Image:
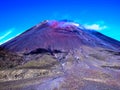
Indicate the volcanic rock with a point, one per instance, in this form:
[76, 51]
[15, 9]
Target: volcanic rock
[60, 55]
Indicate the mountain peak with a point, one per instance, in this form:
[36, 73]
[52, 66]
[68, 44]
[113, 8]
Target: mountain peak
[58, 35]
[63, 24]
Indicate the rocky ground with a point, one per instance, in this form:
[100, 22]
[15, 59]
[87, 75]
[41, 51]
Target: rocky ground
[60, 56]
[96, 70]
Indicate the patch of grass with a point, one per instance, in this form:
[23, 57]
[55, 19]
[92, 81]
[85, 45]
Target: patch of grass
[45, 62]
[9, 60]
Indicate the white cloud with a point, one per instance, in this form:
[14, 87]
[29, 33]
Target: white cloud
[2, 37]
[76, 24]
[6, 34]
[69, 23]
[95, 26]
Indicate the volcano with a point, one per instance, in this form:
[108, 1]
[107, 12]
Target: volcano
[60, 55]
[59, 35]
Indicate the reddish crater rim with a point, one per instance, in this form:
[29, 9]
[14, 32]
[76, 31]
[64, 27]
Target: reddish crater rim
[61, 24]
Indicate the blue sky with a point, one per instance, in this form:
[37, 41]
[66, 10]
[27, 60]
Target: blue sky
[16, 16]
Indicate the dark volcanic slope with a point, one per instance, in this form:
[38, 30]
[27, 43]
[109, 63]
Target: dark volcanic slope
[59, 35]
[60, 55]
